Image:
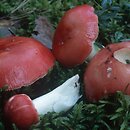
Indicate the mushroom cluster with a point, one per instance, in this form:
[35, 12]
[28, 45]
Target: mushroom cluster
[24, 60]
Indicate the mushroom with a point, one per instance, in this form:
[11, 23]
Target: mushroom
[108, 72]
[20, 110]
[23, 61]
[75, 35]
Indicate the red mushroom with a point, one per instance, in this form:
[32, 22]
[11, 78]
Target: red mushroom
[23, 61]
[74, 36]
[20, 110]
[108, 72]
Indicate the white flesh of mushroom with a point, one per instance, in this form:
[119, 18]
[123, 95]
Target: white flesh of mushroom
[60, 99]
[122, 55]
[94, 51]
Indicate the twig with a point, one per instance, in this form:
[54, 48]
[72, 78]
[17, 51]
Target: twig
[20, 6]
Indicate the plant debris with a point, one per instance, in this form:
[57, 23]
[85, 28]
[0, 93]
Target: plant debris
[43, 31]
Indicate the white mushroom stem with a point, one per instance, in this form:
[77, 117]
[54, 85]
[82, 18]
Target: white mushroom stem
[95, 50]
[60, 99]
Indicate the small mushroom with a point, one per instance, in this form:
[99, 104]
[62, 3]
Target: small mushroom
[20, 110]
[23, 61]
[108, 72]
[74, 36]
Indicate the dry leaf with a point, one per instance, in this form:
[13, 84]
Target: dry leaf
[43, 31]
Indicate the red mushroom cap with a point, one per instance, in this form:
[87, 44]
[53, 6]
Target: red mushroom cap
[23, 61]
[108, 72]
[74, 35]
[20, 110]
